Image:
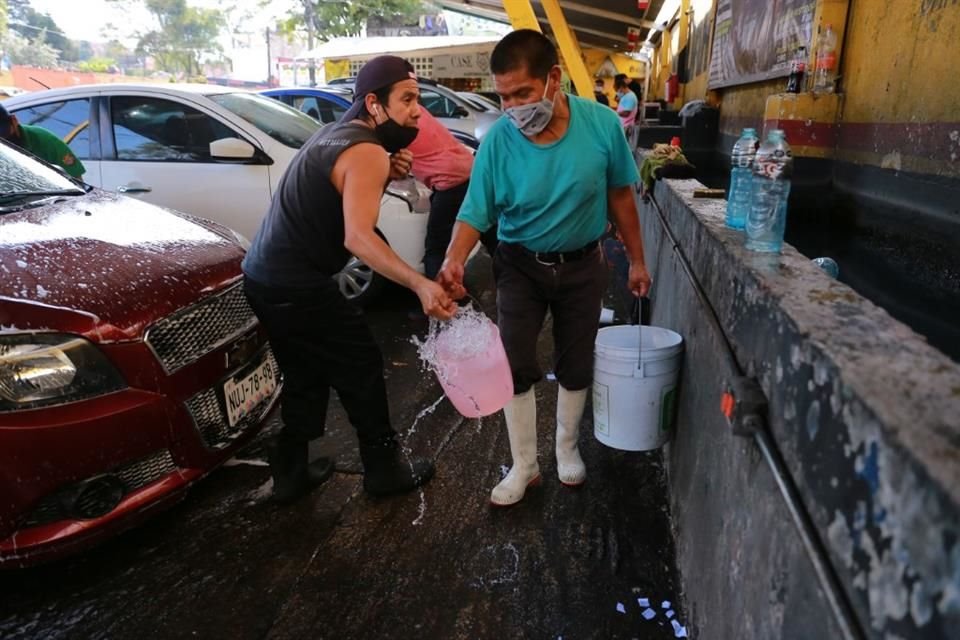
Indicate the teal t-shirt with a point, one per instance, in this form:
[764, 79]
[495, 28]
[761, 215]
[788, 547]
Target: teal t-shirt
[550, 197]
[628, 101]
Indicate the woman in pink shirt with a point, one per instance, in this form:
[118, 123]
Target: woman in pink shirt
[442, 163]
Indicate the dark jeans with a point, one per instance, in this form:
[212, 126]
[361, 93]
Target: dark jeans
[572, 292]
[444, 207]
[321, 340]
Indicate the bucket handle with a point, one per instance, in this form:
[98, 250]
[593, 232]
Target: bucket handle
[640, 333]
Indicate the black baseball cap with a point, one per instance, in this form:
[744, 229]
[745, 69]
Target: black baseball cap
[378, 73]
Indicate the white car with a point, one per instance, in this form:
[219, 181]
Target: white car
[446, 105]
[215, 152]
[480, 102]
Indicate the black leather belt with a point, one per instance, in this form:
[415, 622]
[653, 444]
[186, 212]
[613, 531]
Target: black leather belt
[560, 257]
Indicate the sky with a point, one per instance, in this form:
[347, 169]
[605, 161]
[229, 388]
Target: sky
[84, 19]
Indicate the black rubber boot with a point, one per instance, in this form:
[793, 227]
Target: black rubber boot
[293, 477]
[387, 472]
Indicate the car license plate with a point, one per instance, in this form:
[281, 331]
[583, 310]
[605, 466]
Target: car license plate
[243, 395]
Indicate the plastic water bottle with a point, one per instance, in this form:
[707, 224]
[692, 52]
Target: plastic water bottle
[741, 176]
[767, 218]
[825, 75]
[828, 265]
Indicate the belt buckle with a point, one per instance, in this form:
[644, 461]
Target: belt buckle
[536, 256]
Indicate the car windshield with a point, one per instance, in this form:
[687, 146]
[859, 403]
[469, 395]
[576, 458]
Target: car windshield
[24, 179]
[282, 123]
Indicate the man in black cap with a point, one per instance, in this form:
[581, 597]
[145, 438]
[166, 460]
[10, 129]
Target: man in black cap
[326, 209]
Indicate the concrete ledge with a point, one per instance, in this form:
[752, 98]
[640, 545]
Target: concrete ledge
[865, 413]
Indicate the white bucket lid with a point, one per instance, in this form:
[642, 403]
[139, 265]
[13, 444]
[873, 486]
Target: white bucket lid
[620, 342]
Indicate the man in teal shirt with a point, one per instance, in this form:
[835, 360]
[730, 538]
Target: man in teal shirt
[550, 174]
[40, 142]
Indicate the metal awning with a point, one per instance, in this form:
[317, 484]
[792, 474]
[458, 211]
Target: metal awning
[597, 23]
[372, 46]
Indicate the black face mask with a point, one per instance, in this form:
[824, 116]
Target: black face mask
[394, 136]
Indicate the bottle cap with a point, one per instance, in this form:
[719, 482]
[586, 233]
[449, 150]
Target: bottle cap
[675, 141]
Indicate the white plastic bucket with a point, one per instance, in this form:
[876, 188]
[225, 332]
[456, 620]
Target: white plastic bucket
[634, 399]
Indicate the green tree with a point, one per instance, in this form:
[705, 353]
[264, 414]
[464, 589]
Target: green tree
[184, 35]
[327, 19]
[98, 65]
[31, 53]
[40, 28]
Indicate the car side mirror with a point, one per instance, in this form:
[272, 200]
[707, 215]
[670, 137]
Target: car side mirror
[460, 112]
[232, 149]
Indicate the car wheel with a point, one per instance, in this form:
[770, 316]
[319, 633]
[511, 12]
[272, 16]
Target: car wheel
[358, 282]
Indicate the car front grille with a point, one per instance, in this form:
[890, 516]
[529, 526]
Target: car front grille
[211, 420]
[134, 476]
[185, 336]
[143, 472]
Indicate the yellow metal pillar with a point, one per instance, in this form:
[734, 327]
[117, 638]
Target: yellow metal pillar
[521, 14]
[684, 36]
[569, 48]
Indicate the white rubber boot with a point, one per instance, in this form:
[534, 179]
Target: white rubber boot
[521, 417]
[570, 467]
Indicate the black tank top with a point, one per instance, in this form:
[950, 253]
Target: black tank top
[300, 242]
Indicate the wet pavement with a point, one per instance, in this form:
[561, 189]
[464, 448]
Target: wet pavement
[440, 563]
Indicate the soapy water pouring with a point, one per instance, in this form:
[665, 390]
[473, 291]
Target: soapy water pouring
[460, 351]
[407, 452]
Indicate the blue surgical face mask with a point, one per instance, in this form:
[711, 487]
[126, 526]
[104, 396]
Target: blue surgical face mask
[533, 118]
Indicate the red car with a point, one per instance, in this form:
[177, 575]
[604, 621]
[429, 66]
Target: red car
[130, 362]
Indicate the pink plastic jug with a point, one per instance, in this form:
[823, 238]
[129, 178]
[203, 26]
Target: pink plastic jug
[479, 384]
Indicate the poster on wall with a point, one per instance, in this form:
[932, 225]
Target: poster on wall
[698, 59]
[754, 40]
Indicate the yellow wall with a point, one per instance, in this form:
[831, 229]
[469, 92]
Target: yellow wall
[900, 106]
[744, 106]
[673, 41]
[901, 65]
[902, 102]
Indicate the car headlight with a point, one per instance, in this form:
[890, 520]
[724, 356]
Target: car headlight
[52, 368]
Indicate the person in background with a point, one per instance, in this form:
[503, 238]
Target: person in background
[325, 209]
[550, 173]
[40, 142]
[442, 163]
[632, 84]
[598, 91]
[627, 104]
[637, 89]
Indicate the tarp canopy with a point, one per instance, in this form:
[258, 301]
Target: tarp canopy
[597, 23]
